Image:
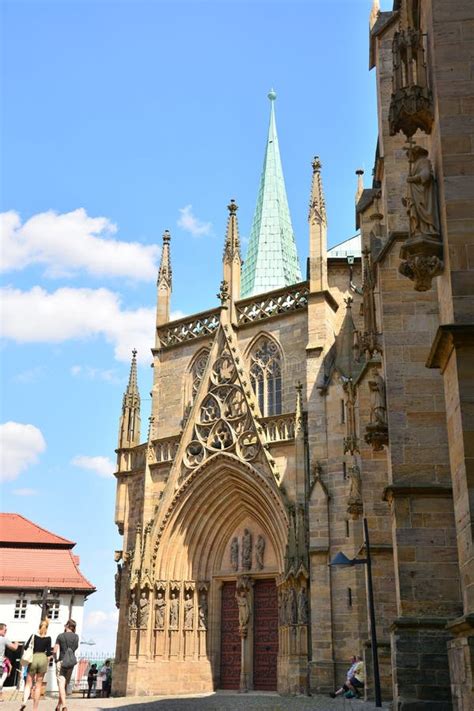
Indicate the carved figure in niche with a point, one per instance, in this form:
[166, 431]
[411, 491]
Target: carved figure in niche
[174, 611]
[259, 552]
[378, 409]
[421, 197]
[234, 553]
[244, 611]
[118, 584]
[246, 550]
[133, 612]
[302, 606]
[144, 609]
[355, 491]
[188, 612]
[160, 606]
[291, 607]
[202, 612]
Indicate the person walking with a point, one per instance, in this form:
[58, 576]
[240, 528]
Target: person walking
[92, 681]
[106, 673]
[4, 642]
[38, 666]
[66, 644]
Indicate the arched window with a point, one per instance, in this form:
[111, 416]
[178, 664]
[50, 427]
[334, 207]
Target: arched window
[265, 374]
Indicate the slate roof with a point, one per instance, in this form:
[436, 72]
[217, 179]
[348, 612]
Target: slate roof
[349, 248]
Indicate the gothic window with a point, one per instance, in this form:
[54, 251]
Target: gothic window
[20, 609]
[197, 372]
[265, 373]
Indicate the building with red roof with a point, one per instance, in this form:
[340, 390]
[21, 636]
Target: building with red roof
[37, 563]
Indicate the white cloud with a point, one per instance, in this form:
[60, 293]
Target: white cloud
[190, 223]
[69, 242]
[89, 373]
[103, 466]
[20, 446]
[176, 315]
[30, 375]
[24, 492]
[38, 316]
[97, 618]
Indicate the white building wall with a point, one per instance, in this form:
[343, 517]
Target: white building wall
[20, 630]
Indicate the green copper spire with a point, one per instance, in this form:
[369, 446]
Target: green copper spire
[272, 261]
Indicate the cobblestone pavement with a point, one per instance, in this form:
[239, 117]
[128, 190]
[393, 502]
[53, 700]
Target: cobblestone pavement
[220, 701]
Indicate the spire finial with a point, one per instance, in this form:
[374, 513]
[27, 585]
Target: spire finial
[164, 272]
[317, 165]
[129, 428]
[272, 95]
[232, 207]
[317, 205]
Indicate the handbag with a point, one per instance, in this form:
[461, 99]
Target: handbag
[27, 656]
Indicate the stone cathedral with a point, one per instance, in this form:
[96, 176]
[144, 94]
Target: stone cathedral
[306, 401]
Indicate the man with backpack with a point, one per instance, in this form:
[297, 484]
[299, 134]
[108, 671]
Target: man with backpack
[66, 644]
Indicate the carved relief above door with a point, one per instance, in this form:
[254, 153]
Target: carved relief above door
[230, 638]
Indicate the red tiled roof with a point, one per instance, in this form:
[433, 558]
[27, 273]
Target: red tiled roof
[18, 529]
[41, 567]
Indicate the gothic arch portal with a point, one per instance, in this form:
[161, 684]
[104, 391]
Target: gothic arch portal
[220, 500]
[207, 508]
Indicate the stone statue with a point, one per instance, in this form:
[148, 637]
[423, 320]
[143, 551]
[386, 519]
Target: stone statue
[118, 584]
[234, 553]
[291, 607]
[133, 613]
[160, 606]
[202, 612]
[174, 611]
[302, 606]
[421, 198]
[144, 609]
[378, 407]
[244, 611]
[247, 550]
[355, 492]
[188, 612]
[259, 552]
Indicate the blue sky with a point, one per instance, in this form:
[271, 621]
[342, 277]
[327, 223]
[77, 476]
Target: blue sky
[120, 120]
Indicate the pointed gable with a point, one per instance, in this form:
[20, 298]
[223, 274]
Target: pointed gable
[224, 414]
[272, 259]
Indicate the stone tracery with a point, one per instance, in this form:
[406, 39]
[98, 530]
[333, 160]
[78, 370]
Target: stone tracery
[224, 422]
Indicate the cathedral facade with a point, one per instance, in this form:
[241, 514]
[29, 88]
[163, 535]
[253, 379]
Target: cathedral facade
[301, 405]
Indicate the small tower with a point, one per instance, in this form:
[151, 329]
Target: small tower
[232, 262]
[360, 184]
[164, 283]
[129, 427]
[317, 232]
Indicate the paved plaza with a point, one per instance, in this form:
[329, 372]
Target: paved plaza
[220, 701]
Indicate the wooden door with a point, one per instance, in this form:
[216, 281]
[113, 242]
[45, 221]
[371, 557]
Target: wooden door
[265, 628]
[230, 638]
